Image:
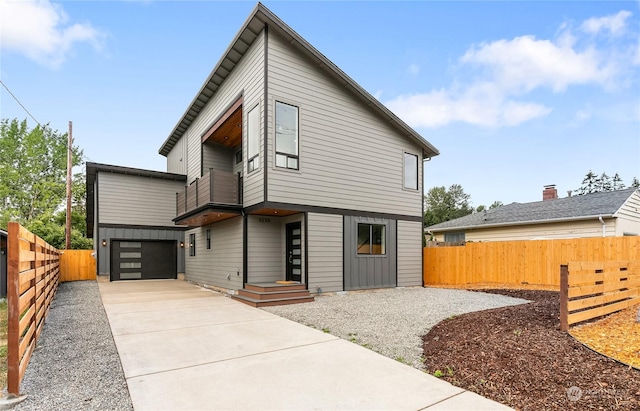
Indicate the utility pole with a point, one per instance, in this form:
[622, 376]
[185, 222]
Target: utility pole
[69, 166]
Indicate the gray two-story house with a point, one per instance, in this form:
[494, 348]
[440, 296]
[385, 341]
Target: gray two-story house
[294, 173]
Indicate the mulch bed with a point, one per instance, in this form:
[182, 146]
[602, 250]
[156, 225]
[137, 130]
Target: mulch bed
[519, 357]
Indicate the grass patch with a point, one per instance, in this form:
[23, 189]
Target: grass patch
[3, 343]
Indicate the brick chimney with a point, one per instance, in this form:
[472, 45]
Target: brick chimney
[549, 192]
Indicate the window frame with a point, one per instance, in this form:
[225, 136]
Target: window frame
[406, 153]
[276, 153]
[383, 241]
[253, 159]
[192, 245]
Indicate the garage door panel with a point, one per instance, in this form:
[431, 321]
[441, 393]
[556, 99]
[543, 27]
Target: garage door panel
[143, 259]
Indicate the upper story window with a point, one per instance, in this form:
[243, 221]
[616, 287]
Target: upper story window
[410, 171]
[253, 139]
[287, 136]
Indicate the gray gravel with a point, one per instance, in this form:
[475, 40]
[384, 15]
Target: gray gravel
[391, 321]
[75, 365]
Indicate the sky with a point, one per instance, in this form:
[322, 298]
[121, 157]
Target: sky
[515, 95]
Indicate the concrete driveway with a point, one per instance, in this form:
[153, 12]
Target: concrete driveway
[183, 347]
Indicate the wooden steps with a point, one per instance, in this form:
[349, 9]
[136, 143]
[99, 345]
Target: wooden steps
[268, 294]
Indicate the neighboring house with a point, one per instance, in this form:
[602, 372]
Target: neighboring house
[3, 264]
[129, 217]
[611, 213]
[294, 172]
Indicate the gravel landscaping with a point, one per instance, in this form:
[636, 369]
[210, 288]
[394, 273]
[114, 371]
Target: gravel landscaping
[75, 365]
[392, 321]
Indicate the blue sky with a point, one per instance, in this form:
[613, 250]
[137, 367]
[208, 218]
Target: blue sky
[515, 95]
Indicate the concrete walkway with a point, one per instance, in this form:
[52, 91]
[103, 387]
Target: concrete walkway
[183, 347]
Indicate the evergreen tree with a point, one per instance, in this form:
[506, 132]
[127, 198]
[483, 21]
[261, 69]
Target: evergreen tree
[617, 182]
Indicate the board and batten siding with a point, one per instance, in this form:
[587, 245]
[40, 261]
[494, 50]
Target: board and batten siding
[246, 79]
[265, 249]
[573, 229]
[628, 221]
[137, 200]
[349, 157]
[211, 267]
[325, 252]
[177, 158]
[409, 253]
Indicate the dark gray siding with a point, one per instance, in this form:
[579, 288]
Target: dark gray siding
[108, 233]
[362, 272]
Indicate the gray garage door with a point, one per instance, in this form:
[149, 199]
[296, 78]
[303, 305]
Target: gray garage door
[143, 260]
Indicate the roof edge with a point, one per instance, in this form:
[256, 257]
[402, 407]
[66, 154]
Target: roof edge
[516, 223]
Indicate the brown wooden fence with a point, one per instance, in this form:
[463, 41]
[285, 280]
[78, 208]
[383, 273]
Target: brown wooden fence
[77, 265]
[32, 279]
[590, 290]
[520, 263]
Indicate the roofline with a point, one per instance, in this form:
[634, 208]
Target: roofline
[4, 233]
[135, 171]
[515, 223]
[637, 190]
[272, 19]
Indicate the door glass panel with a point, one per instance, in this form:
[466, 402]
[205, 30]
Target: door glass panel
[296, 231]
[296, 271]
[130, 265]
[129, 244]
[296, 251]
[296, 241]
[296, 261]
[130, 276]
[130, 255]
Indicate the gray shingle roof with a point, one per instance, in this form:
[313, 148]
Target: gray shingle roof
[603, 204]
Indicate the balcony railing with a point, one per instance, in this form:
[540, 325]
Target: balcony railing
[215, 187]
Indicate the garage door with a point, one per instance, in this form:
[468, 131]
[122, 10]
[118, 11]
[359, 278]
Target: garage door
[143, 260]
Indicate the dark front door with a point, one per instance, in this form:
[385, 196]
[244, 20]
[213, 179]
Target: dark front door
[294, 252]
[139, 260]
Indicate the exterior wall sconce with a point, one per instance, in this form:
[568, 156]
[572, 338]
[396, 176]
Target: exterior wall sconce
[181, 244]
[104, 242]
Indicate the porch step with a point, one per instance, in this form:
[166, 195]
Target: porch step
[277, 301]
[268, 294]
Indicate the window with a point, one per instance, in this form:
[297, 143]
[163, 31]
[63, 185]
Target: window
[371, 239]
[192, 245]
[208, 239]
[286, 136]
[239, 156]
[253, 139]
[410, 171]
[454, 237]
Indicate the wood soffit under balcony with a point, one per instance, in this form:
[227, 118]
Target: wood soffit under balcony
[274, 212]
[227, 130]
[206, 217]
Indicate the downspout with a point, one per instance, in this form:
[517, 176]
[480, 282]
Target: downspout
[604, 226]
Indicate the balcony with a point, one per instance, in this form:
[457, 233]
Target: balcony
[215, 196]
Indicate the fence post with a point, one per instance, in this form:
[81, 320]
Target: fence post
[564, 297]
[13, 308]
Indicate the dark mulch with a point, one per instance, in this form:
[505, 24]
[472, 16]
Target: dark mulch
[519, 357]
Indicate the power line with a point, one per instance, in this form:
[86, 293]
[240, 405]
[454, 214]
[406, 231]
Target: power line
[21, 105]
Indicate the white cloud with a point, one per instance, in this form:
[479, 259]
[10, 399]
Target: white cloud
[481, 105]
[414, 69]
[41, 31]
[505, 70]
[614, 24]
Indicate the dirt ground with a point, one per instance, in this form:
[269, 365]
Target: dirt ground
[518, 356]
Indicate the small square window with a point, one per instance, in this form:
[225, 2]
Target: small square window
[371, 239]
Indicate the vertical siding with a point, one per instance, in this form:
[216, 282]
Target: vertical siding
[177, 158]
[628, 220]
[127, 199]
[212, 266]
[265, 249]
[349, 158]
[325, 252]
[217, 157]
[409, 253]
[247, 79]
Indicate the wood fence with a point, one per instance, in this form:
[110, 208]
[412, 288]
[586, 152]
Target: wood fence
[590, 290]
[32, 279]
[77, 265]
[520, 264]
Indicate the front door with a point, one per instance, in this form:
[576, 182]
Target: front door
[294, 252]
